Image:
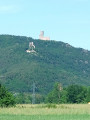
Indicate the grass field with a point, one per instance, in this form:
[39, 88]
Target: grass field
[42, 112]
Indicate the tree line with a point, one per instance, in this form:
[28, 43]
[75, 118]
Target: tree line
[58, 95]
[71, 94]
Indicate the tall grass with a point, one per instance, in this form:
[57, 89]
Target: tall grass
[42, 112]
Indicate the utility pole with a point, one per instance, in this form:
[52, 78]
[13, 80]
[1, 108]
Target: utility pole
[33, 94]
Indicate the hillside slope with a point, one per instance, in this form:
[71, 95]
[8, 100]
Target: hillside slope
[52, 62]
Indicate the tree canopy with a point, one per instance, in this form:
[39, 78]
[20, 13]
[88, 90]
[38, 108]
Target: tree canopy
[70, 94]
[6, 98]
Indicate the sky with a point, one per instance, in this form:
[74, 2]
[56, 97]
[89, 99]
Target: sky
[63, 20]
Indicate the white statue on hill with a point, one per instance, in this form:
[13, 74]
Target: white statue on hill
[31, 47]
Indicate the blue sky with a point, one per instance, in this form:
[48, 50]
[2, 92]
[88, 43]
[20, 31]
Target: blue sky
[62, 20]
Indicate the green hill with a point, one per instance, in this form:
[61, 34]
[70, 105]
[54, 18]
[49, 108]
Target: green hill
[51, 62]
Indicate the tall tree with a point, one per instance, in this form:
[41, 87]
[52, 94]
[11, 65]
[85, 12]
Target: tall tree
[76, 94]
[55, 96]
[6, 98]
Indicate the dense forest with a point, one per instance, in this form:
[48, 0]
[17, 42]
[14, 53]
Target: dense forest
[51, 62]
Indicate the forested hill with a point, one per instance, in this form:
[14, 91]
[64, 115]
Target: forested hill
[51, 62]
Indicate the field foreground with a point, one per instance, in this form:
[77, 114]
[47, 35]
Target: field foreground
[42, 112]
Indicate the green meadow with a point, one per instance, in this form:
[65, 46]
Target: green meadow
[43, 112]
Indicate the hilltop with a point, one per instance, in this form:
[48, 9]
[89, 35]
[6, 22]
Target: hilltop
[51, 62]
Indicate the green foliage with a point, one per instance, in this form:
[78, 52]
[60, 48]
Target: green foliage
[52, 62]
[39, 98]
[71, 94]
[26, 98]
[57, 95]
[88, 95]
[63, 98]
[6, 98]
[76, 94]
[23, 98]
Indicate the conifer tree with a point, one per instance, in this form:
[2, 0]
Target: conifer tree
[6, 98]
